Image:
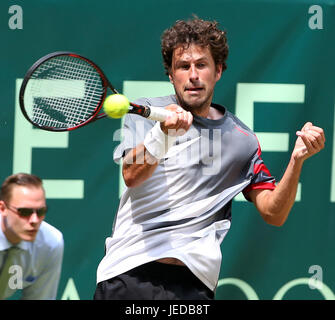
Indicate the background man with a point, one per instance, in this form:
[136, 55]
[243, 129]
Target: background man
[31, 250]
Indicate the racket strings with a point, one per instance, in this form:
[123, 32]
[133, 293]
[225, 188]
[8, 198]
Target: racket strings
[64, 91]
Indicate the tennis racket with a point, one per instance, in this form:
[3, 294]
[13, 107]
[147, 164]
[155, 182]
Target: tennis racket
[64, 91]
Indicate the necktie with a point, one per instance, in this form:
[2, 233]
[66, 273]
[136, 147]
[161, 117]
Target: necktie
[4, 273]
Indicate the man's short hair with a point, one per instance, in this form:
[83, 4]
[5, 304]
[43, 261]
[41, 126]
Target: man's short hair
[19, 179]
[195, 31]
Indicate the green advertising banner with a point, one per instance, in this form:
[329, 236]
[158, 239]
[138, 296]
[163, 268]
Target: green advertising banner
[280, 75]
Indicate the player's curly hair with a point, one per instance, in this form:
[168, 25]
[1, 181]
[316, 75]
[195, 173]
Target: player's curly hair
[195, 31]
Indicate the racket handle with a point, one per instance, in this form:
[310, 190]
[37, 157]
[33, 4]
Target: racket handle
[158, 114]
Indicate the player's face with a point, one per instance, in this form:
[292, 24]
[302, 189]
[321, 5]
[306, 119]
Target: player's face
[15, 227]
[194, 75]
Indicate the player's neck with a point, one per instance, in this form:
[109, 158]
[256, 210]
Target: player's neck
[214, 114]
[209, 113]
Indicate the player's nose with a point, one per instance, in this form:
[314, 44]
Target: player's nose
[194, 75]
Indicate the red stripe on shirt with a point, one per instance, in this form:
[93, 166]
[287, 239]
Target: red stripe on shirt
[260, 185]
[239, 129]
[261, 167]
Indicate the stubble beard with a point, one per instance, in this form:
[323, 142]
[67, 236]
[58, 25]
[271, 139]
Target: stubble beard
[197, 106]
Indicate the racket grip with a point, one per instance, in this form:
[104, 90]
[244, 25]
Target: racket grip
[158, 114]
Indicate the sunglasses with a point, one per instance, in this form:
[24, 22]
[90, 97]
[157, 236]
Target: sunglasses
[27, 212]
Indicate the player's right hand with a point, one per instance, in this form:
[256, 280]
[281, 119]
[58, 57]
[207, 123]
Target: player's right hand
[178, 123]
[311, 140]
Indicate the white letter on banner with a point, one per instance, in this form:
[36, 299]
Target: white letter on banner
[16, 20]
[26, 138]
[325, 290]
[316, 20]
[245, 287]
[70, 292]
[249, 93]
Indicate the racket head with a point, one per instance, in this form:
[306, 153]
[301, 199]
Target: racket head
[63, 91]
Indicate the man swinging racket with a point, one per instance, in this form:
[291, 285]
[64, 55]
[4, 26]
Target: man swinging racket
[182, 174]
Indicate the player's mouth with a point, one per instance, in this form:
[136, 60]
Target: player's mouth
[194, 89]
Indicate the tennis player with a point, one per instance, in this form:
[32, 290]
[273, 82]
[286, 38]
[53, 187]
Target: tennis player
[182, 176]
[34, 247]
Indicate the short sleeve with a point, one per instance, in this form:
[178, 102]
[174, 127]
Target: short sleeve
[261, 177]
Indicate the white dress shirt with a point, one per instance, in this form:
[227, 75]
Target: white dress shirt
[37, 265]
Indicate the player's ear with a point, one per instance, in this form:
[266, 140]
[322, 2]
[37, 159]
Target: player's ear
[218, 68]
[171, 78]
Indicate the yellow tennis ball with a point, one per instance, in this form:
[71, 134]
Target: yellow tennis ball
[116, 105]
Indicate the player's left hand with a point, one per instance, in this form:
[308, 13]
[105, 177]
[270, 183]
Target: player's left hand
[311, 140]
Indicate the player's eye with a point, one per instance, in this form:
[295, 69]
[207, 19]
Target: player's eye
[201, 65]
[184, 66]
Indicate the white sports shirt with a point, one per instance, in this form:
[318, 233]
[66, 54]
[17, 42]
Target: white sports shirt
[184, 209]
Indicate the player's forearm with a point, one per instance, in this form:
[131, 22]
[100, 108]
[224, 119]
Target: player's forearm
[280, 201]
[141, 162]
[138, 166]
